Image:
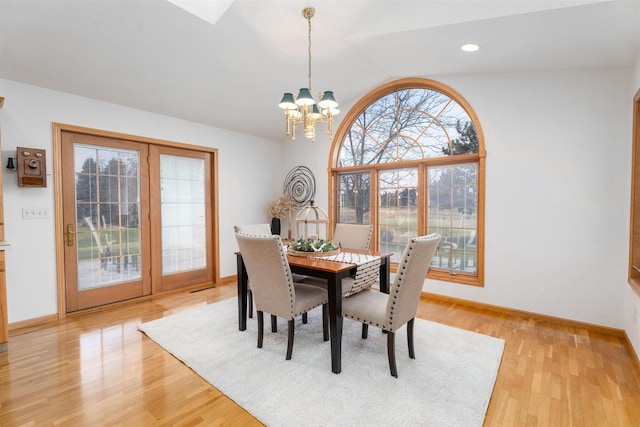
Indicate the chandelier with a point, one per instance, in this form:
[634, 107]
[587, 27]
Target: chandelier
[304, 110]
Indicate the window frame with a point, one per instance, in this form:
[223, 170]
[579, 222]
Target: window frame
[480, 158]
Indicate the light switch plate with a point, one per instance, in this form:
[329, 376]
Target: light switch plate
[35, 213]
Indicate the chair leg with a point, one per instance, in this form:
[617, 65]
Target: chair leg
[304, 318]
[412, 353]
[250, 303]
[260, 328]
[325, 322]
[365, 331]
[391, 351]
[274, 323]
[290, 340]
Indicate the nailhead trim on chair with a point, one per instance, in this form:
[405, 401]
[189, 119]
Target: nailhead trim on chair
[272, 269]
[396, 306]
[306, 310]
[283, 259]
[398, 282]
[395, 289]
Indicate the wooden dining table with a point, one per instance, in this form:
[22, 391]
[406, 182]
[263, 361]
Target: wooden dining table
[333, 272]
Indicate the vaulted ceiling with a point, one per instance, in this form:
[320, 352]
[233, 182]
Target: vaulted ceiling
[231, 71]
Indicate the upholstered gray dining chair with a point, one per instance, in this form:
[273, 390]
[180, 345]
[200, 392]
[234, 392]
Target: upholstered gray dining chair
[259, 229]
[353, 236]
[391, 311]
[263, 230]
[348, 236]
[273, 288]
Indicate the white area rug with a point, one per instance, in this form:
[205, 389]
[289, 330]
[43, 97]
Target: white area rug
[448, 384]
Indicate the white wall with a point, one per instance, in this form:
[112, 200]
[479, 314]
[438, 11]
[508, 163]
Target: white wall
[557, 196]
[247, 183]
[631, 299]
[557, 200]
[314, 155]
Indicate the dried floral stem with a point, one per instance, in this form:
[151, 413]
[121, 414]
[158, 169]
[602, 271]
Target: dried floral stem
[280, 207]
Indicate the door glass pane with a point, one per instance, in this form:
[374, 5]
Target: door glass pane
[398, 210]
[452, 193]
[182, 197]
[107, 205]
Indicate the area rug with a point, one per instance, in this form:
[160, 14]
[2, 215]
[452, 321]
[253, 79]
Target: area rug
[448, 384]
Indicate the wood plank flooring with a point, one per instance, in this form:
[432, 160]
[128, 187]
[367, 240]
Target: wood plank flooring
[97, 369]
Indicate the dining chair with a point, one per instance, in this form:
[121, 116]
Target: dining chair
[348, 236]
[263, 230]
[274, 290]
[390, 312]
[353, 236]
[260, 229]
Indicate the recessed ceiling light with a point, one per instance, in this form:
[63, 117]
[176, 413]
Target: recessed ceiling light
[469, 47]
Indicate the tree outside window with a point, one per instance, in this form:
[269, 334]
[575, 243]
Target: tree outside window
[410, 161]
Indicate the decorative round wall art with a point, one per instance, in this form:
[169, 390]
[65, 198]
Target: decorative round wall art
[300, 186]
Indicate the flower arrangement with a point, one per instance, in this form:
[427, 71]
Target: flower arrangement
[307, 244]
[280, 206]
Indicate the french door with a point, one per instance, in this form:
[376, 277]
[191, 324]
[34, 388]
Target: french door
[180, 217]
[106, 220]
[137, 219]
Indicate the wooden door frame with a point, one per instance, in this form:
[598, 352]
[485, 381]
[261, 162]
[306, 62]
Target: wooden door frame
[633, 275]
[57, 129]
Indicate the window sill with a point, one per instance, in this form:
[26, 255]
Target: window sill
[445, 276]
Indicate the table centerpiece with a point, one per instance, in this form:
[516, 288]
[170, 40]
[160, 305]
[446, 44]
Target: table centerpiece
[312, 247]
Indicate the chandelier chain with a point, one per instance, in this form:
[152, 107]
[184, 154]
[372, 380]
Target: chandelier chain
[309, 52]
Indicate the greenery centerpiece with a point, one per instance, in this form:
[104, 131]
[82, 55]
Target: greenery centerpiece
[309, 246]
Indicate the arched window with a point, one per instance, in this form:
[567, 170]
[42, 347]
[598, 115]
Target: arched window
[409, 159]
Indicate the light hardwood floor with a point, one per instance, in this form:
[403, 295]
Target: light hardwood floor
[96, 369]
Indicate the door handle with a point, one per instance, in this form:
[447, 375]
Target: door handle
[70, 234]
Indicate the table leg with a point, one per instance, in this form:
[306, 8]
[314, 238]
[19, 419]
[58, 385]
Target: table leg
[335, 322]
[385, 274]
[242, 292]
